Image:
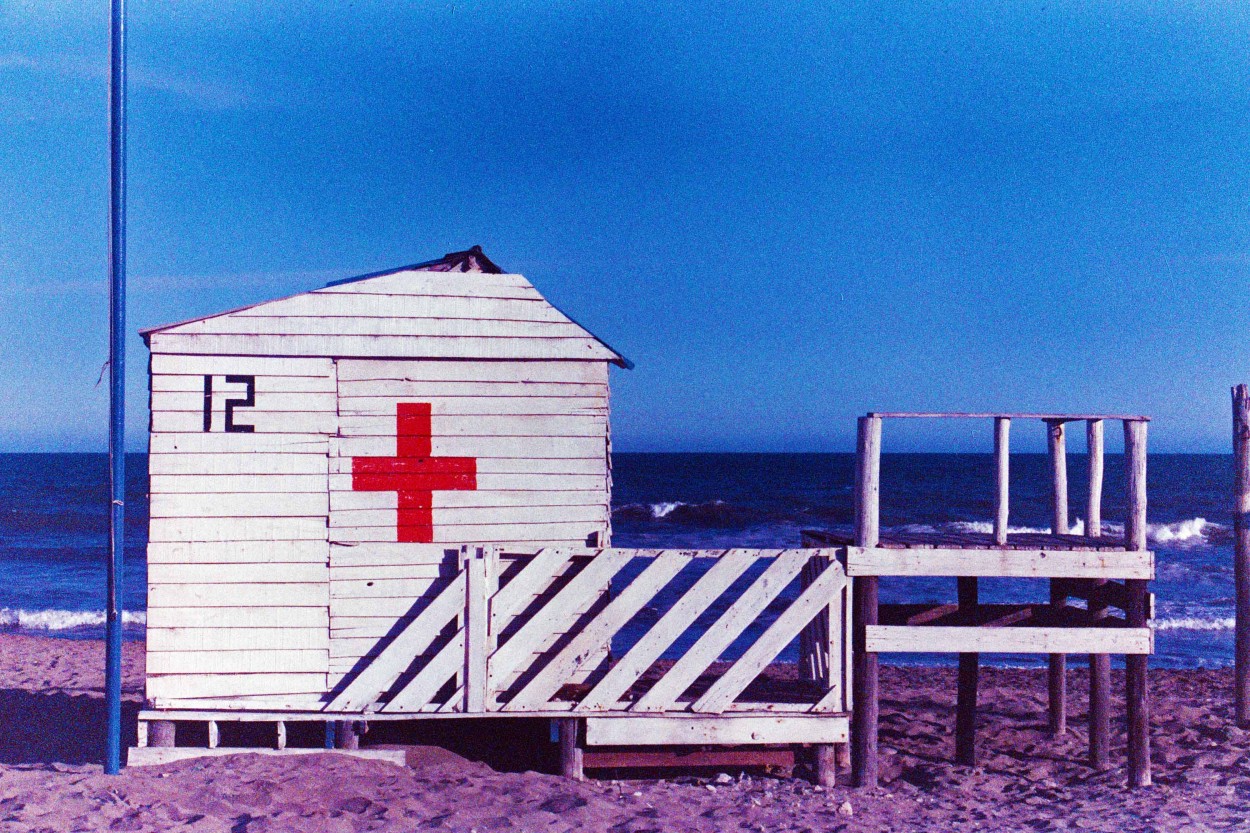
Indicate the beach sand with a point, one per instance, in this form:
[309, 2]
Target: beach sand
[50, 778]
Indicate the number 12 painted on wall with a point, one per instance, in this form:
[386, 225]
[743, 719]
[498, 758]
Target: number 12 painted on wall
[248, 401]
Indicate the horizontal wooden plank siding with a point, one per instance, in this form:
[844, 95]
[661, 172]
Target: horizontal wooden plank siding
[417, 347]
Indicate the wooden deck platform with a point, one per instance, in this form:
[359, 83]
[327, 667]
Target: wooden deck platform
[929, 540]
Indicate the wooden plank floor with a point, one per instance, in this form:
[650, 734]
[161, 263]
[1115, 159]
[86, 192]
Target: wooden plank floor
[970, 541]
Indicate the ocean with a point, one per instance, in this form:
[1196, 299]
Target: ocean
[53, 527]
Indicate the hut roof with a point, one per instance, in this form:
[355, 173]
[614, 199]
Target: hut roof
[461, 306]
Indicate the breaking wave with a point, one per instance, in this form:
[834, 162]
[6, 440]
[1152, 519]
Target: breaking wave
[62, 620]
[716, 512]
[1194, 623]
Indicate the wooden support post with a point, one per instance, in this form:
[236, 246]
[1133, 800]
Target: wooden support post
[214, 735]
[162, 733]
[1057, 677]
[141, 733]
[825, 767]
[865, 670]
[1002, 465]
[1093, 511]
[570, 752]
[865, 709]
[1057, 671]
[969, 670]
[1099, 664]
[1099, 710]
[842, 755]
[1135, 691]
[281, 734]
[1241, 553]
[345, 736]
[1059, 473]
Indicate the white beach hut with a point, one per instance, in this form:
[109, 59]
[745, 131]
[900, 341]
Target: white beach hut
[317, 460]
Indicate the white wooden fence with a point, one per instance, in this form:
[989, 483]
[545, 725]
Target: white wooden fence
[681, 632]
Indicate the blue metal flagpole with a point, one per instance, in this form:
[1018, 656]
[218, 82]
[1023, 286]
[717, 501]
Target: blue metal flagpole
[117, 385]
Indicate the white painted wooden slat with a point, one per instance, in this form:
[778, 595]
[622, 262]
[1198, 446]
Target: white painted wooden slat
[250, 463]
[347, 500]
[383, 555]
[311, 325]
[554, 617]
[200, 442]
[426, 347]
[426, 683]
[726, 731]
[236, 529]
[471, 407]
[173, 687]
[194, 383]
[675, 621]
[382, 673]
[357, 305]
[192, 401]
[263, 422]
[415, 282]
[1006, 563]
[597, 635]
[198, 484]
[380, 573]
[373, 588]
[264, 504]
[477, 645]
[479, 447]
[389, 608]
[554, 533]
[237, 573]
[779, 634]
[511, 425]
[236, 639]
[492, 483]
[243, 364]
[241, 553]
[395, 388]
[722, 633]
[347, 650]
[254, 661]
[354, 370]
[1009, 640]
[239, 595]
[473, 515]
[238, 617]
[563, 466]
[360, 628]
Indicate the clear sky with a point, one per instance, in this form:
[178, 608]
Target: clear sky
[786, 214]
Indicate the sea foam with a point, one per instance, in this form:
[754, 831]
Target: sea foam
[62, 620]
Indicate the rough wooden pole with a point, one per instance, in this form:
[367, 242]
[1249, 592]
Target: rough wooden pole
[161, 733]
[1099, 664]
[1057, 684]
[570, 752]
[1093, 511]
[345, 735]
[826, 765]
[865, 670]
[1002, 466]
[969, 670]
[1241, 552]
[1135, 691]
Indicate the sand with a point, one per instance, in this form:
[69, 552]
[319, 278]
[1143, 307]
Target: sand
[50, 779]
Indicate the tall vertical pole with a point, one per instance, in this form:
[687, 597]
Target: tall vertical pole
[117, 385]
[1136, 693]
[1241, 552]
[1057, 678]
[866, 706]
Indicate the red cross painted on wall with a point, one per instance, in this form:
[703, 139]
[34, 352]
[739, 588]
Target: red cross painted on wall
[414, 473]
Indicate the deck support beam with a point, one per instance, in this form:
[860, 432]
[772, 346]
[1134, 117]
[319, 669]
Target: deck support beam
[1135, 691]
[571, 760]
[865, 672]
[969, 671]
[1057, 665]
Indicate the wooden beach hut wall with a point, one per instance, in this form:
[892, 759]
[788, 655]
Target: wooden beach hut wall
[317, 460]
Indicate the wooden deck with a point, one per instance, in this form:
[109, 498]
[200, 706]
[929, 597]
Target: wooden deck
[930, 540]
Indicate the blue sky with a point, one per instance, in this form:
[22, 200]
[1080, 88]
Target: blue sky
[786, 214]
